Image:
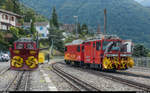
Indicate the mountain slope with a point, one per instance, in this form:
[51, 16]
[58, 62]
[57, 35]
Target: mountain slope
[126, 18]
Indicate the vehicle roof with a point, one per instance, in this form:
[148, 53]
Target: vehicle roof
[95, 38]
[25, 40]
[75, 42]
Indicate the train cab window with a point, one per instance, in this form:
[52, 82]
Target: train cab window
[30, 46]
[65, 48]
[98, 45]
[88, 43]
[19, 46]
[78, 48]
[93, 44]
[105, 43]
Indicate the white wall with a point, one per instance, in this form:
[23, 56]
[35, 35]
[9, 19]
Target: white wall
[43, 30]
[13, 23]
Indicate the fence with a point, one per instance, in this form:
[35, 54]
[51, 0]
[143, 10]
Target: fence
[142, 62]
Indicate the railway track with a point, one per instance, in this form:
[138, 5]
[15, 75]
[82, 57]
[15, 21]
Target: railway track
[24, 82]
[134, 84]
[4, 70]
[18, 83]
[128, 73]
[75, 82]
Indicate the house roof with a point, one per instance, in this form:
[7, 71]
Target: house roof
[10, 13]
[37, 24]
[42, 23]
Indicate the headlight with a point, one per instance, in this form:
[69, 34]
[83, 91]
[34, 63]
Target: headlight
[16, 51]
[32, 52]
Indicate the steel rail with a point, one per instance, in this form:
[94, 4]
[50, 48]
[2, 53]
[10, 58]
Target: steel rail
[27, 81]
[134, 84]
[134, 74]
[5, 70]
[10, 83]
[76, 82]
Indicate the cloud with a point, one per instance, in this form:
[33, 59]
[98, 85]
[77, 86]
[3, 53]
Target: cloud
[139, 1]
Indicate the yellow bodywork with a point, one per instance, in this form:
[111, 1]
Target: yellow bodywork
[113, 63]
[41, 58]
[31, 62]
[17, 62]
[70, 56]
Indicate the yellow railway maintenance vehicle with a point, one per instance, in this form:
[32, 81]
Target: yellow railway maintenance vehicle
[41, 58]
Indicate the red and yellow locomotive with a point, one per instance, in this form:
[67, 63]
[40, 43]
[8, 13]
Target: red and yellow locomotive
[24, 55]
[105, 53]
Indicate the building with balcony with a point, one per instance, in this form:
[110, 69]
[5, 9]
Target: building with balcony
[8, 19]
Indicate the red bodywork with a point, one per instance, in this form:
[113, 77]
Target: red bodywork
[91, 52]
[24, 53]
[74, 53]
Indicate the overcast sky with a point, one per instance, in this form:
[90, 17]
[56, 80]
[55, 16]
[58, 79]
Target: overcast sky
[139, 0]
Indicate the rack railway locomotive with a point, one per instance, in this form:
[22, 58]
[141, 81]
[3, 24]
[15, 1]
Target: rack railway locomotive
[24, 55]
[106, 52]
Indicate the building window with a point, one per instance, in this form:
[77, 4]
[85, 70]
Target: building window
[6, 17]
[3, 16]
[12, 18]
[4, 27]
[41, 28]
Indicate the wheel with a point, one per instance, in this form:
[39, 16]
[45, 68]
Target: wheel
[68, 62]
[100, 67]
[81, 64]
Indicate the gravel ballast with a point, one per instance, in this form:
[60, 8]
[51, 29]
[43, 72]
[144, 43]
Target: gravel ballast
[60, 83]
[100, 82]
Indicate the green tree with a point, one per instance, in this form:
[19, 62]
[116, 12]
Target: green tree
[33, 30]
[3, 43]
[84, 29]
[57, 37]
[29, 14]
[140, 51]
[55, 34]
[16, 6]
[14, 31]
[9, 5]
[79, 28]
[54, 19]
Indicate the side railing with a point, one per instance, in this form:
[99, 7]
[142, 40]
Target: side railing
[142, 62]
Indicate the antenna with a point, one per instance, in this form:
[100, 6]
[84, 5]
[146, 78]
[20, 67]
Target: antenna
[105, 20]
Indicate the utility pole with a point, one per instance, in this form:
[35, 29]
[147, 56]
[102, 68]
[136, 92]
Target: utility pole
[76, 22]
[105, 20]
[51, 48]
[52, 44]
[37, 40]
